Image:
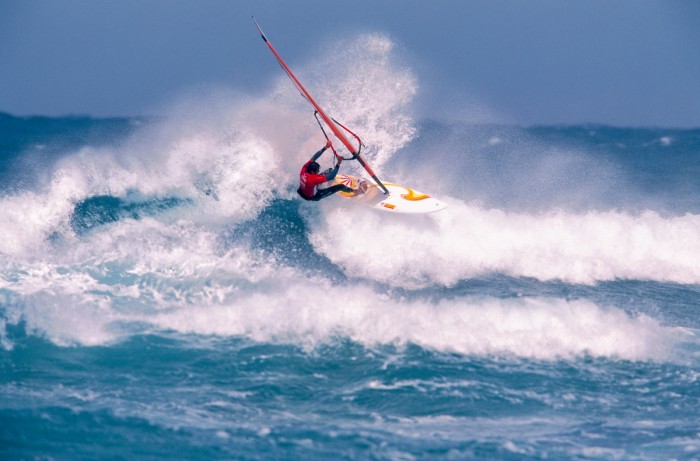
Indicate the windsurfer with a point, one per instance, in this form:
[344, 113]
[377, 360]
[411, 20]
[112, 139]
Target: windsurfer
[310, 179]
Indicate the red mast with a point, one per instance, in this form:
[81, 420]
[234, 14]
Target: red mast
[327, 120]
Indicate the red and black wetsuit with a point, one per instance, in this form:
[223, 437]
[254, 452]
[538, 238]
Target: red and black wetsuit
[309, 182]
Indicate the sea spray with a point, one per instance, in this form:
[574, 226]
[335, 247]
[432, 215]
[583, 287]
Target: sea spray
[466, 241]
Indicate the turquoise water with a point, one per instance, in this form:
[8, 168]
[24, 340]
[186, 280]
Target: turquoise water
[156, 396]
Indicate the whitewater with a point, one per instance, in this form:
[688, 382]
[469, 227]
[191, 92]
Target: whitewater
[165, 294]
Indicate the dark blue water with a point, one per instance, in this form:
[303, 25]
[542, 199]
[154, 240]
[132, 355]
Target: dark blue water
[163, 297]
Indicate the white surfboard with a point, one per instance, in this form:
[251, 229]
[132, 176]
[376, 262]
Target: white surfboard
[400, 199]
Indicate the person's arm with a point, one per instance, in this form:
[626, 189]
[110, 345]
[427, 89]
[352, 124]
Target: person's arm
[319, 153]
[330, 173]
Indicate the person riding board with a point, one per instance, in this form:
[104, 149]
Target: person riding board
[310, 179]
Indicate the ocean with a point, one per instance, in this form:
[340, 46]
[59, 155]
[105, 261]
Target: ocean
[164, 294]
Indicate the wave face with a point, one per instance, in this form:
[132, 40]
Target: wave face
[160, 282]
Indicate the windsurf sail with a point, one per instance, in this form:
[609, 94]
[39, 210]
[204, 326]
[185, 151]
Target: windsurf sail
[331, 123]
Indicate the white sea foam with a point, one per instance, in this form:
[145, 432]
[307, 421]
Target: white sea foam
[221, 176]
[466, 241]
[148, 275]
[223, 295]
[534, 328]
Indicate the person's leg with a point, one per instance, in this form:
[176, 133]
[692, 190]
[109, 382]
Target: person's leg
[323, 193]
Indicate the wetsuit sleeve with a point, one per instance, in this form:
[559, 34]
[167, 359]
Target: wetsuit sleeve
[317, 155]
[331, 174]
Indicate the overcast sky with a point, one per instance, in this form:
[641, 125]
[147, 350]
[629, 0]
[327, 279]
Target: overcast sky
[621, 62]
